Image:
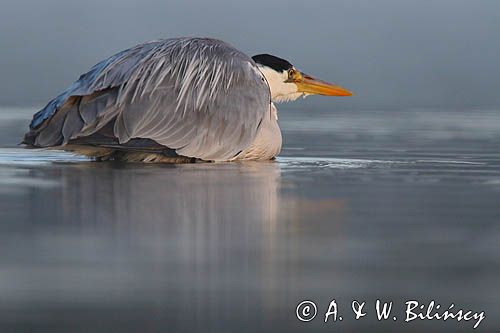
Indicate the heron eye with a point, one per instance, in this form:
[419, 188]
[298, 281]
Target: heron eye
[291, 73]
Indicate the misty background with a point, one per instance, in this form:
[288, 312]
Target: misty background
[391, 194]
[391, 53]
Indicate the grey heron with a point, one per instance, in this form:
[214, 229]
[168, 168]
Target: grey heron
[175, 100]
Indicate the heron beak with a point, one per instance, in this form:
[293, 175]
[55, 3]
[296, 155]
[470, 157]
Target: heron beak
[309, 85]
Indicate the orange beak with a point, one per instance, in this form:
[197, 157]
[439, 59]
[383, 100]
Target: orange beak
[309, 85]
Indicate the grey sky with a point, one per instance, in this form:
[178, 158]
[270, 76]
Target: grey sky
[391, 53]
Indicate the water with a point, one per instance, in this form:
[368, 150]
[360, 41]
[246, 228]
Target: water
[361, 205]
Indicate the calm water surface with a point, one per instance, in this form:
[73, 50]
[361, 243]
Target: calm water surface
[365, 205]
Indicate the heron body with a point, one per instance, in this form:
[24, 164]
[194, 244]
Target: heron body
[175, 100]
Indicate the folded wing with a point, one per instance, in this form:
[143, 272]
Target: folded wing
[198, 96]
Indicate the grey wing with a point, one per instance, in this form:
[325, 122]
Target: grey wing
[199, 96]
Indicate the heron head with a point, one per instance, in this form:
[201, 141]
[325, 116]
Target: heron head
[288, 83]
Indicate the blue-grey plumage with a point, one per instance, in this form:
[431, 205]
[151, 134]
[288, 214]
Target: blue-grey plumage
[178, 99]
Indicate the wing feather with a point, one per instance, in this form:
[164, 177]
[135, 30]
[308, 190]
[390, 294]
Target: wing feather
[199, 96]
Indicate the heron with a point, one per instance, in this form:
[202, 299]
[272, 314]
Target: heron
[175, 100]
